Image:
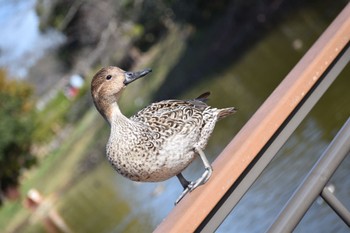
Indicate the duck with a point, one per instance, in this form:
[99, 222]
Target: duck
[161, 140]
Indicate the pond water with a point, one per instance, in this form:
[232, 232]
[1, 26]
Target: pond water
[103, 201]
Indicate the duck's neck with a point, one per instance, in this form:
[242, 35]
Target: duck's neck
[116, 117]
[120, 125]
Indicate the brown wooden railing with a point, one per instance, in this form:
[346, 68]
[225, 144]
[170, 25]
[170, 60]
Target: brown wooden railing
[249, 152]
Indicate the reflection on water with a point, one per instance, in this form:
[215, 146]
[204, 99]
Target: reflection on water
[22, 44]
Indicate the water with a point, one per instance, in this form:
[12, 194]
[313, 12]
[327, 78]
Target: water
[103, 201]
[22, 44]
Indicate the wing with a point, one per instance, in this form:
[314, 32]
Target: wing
[173, 116]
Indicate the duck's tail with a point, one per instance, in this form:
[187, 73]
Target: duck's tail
[224, 112]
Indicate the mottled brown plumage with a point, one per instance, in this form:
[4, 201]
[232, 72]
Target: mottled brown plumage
[159, 141]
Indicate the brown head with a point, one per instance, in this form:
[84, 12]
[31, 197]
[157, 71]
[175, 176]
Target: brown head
[107, 85]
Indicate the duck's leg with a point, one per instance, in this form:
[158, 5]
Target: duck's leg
[188, 187]
[206, 175]
[182, 180]
[185, 184]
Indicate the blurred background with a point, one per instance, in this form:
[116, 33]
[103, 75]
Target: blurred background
[54, 176]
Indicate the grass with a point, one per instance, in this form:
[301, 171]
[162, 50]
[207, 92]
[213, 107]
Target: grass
[51, 117]
[54, 171]
[66, 156]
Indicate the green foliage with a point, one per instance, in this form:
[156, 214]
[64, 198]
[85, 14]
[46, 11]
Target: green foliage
[51, 118]
[16, 128]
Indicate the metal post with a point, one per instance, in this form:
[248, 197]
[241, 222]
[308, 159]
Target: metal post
[315, 181]
[336, 205]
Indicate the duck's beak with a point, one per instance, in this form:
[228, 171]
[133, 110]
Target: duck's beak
[132, 76]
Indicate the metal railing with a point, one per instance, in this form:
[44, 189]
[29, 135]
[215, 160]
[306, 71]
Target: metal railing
[251, 150]
[314, 185]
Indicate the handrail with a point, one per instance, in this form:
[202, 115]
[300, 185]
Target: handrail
[193, 211]
[314, 183]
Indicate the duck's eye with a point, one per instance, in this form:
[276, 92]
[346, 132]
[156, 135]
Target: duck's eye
[108, 77]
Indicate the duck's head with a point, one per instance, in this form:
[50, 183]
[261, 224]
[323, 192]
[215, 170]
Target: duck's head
[107, 85]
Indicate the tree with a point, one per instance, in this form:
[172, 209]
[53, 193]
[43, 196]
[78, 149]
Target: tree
[17, 113]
